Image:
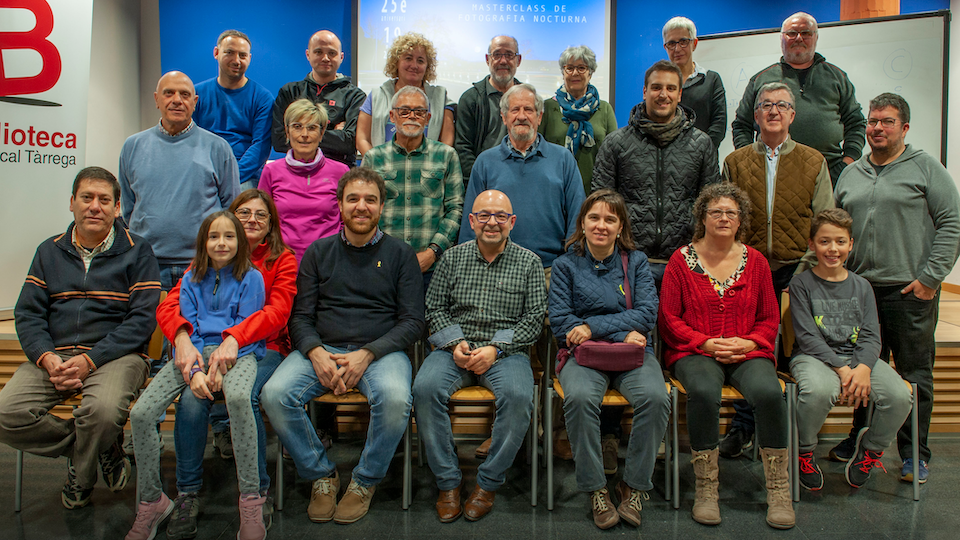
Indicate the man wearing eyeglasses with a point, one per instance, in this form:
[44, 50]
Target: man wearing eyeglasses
[424, 187]
[323, 85]
[829, 118]
[788, 183]
[479, 126]
[236, 108]
[906, 222]
[485, 307]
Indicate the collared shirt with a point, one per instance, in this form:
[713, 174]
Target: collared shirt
[500, 303]
[773, 158]
[424, 200]
[531, 150]
[377, 236]
[698, 73]
[87, 255]
[184, 131]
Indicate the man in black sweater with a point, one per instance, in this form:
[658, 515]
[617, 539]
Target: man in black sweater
[84, 317]
[359, 305]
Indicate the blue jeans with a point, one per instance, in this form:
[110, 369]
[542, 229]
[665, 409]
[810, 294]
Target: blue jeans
[511, 381]
[385, 384]
[643, 387]
[170, 274]
[190, 430]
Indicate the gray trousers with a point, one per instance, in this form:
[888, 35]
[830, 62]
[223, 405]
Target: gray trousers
[818, 387]
[163, 389]
[25, 422]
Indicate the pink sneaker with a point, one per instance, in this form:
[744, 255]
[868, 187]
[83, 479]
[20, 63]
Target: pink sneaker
[251, 518]
[149, 517]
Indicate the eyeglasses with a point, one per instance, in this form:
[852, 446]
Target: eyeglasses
[244, 214]
[793, 34]
[297, 127]
[682, 43]
[500, 217]
[782, 106]
[570, 70]
[508, 56]
[405, 112]
[885, 122]
[716, 213]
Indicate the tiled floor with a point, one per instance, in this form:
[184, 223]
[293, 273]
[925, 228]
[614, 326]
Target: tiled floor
[883, 509]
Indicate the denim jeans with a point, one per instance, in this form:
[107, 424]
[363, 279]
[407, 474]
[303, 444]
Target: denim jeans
[510, 379]
[818, 387]
[643, 387]
[704, 377]
[170, 274]
[190, 431]
[907, 326]
[385, 384]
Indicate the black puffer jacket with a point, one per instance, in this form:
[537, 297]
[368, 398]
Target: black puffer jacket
[659, 184]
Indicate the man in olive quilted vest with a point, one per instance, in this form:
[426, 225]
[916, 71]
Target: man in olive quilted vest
[787, 183]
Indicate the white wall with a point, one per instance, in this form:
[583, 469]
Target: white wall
[953, 113]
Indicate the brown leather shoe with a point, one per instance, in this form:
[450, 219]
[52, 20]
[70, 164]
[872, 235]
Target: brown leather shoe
[484, 449]
[448, 505]
[479, 503]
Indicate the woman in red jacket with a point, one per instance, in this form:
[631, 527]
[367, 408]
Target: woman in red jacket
[276, 262]
[718, 320]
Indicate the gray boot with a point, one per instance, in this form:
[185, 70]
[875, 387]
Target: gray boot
[780, 513]
[706, 508]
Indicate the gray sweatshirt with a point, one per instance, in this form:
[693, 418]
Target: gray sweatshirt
[906, 220]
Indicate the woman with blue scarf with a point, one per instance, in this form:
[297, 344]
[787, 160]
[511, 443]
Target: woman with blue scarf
[578, 119]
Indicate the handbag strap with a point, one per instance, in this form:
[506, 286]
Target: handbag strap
[626, 282]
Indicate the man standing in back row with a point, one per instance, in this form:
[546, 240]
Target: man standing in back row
[829, 119]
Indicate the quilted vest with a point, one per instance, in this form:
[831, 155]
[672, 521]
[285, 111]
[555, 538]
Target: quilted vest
[784, 236]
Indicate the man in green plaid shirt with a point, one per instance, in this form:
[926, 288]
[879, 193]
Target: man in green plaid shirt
[485, 307]
[424, 186]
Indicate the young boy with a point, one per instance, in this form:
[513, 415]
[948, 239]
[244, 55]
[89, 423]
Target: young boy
[837, 351]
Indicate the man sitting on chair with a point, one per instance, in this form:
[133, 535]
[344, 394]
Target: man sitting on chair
[84, 318]
[359, 305]
[485, 306]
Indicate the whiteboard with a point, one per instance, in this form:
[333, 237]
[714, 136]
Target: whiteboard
[903, 55]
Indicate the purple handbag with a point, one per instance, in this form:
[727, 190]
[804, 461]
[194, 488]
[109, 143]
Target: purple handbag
[605, 355]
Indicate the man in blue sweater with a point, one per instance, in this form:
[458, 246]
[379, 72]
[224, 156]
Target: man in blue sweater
[172, 175]
[84, 316]
[236, 108]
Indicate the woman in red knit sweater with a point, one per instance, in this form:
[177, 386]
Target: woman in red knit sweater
[276, 262]
[718, 320]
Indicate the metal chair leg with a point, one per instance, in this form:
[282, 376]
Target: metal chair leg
[792, 398]
[534, 466]
[19, 482]
[407, 466]
[675, 405]
[548, 438]
[279, 489]
[915, 420]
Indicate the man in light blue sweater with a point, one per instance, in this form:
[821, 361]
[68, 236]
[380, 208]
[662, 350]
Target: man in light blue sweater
[172, 175]
[540, 178]
[236, 108]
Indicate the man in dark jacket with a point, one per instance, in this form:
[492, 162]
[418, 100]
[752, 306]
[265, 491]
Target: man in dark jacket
[479, 126]
[85, 314]
[659, 162]
[323, 85]
[829, 118]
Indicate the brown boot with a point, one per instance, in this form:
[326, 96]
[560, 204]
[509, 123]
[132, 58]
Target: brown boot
[706, 507]
[780, 513]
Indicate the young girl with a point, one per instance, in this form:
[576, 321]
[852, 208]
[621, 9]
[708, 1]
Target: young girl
[221, 289]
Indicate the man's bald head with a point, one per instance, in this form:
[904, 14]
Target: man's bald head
[492, 220]
[491, 199]
[325, 53]
[798, 40]
[176, 99]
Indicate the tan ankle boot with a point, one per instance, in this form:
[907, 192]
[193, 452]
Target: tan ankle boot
[780, 513]
[706, 509]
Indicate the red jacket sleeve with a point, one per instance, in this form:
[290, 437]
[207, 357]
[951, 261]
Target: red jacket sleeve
[674, 330]
[263, 324]
[168, 314]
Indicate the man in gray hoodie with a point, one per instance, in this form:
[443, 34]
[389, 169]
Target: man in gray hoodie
[906, 222]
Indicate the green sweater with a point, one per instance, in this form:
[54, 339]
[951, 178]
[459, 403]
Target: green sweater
[555, 131]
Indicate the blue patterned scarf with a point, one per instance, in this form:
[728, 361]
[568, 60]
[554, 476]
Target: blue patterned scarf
[577, 114]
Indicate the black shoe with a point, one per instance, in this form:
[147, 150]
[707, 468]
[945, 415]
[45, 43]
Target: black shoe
[74, 496]
[811, 477]
[183, 521]
[115, 466]
[735, 442]
[845, 450]
[858, 469]
[223, 444]
[268, 513]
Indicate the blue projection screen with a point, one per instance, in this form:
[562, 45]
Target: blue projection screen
[461, 31]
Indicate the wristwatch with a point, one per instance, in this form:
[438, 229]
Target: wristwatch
[437, 251]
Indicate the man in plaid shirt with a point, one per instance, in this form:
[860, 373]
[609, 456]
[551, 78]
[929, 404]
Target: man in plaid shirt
[424, 185]
[485, 307]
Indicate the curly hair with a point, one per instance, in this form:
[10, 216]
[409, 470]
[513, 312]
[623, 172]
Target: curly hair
[404, 43]
[712, 193]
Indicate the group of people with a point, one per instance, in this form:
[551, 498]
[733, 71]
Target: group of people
[465, 226]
